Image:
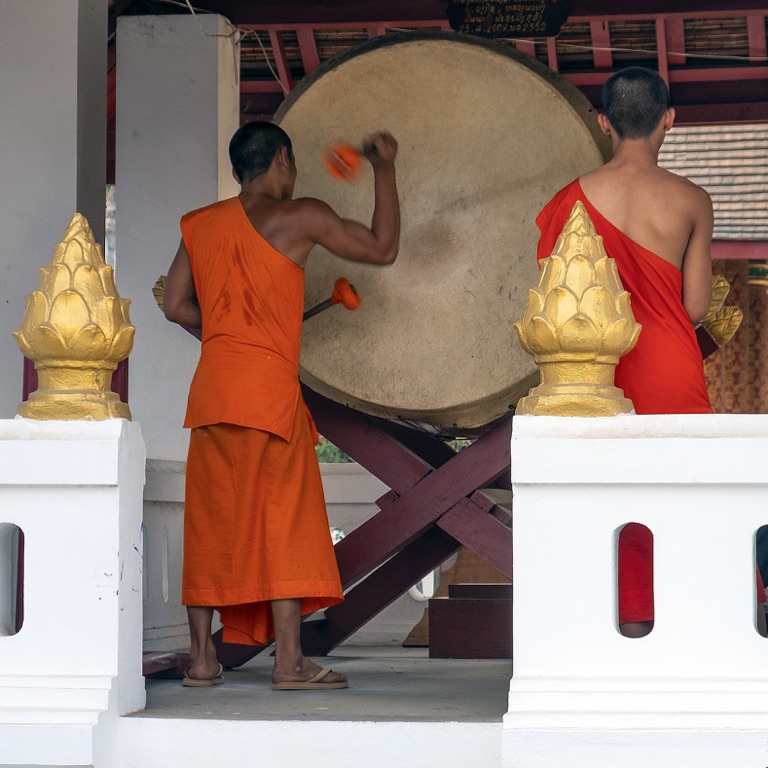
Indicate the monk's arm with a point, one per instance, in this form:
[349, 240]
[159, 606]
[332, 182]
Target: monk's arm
[351, 240]
[697, 262]
[180, 303]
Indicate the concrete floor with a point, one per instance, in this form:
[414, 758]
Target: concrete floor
[387, 683]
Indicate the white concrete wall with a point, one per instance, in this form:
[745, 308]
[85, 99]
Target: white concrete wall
[75, 490]
[53, 151]
[177, 108]
[695, 691]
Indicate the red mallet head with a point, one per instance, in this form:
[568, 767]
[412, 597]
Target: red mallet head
[344, 293]
[343, 161]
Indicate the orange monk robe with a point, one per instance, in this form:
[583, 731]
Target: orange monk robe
[255, 523]
[664, 373]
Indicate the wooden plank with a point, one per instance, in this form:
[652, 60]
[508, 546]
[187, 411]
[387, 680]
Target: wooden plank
[374, 594]
[360, 438]
[480, 532]
[480, 591]
[470, 629]
[409, 515]
[166, 664]
[432, 450]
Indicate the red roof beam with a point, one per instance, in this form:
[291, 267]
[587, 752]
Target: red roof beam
[661, 49]
[260, 86]
[384, 24]
[758, 51]
[740, 249]
[552, 54]
[308, 49]
[281, 60]
[718, 74]
[601, 44]
[713, 75]
[526, 46]
[675, 32]
[685, 14]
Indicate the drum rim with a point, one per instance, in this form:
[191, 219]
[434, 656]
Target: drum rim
[575, 98]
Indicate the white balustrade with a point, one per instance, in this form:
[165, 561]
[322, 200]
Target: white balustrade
[695, 691]
[75, 490]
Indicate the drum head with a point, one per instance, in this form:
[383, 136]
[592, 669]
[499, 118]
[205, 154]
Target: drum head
[486, 136]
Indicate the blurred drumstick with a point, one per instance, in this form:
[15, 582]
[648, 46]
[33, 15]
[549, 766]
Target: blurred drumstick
[343, 293]
[343, 161]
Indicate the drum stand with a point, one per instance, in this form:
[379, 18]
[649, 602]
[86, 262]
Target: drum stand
[435, 505]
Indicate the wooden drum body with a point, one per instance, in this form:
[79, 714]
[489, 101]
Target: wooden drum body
[487, 135]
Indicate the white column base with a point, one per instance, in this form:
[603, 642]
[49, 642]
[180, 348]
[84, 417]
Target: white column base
[613, 703]
[635, 748]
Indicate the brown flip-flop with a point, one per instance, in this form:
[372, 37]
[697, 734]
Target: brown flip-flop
[204, 682]
[314, 684]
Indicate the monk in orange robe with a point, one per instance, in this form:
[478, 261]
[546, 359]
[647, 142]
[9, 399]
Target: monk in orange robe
[257, 545]
[658, 228]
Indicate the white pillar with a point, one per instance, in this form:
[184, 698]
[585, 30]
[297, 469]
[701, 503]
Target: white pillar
[75, 491]
[695, 691]
[53, 150]
[177, 108]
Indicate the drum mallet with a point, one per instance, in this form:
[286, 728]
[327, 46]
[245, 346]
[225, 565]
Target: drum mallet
[343, 293]
[343, 161]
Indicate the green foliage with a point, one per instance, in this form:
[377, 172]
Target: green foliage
[459, 443]
[328, 453]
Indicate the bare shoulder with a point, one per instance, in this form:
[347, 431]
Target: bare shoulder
[311, 213]
[311, 205]
[697, 195]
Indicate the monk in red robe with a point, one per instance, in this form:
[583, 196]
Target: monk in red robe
[658, 228]
[257, 545]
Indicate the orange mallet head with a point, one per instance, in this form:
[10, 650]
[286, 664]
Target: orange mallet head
[344, 293]
[343, 161]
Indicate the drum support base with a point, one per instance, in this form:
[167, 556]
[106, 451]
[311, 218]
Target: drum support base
[435, 505]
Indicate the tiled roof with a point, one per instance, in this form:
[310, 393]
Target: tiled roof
[731, 163]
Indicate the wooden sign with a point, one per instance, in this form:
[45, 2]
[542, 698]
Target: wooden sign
[508, 18]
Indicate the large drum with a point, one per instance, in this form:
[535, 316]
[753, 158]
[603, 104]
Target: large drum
[487, 135]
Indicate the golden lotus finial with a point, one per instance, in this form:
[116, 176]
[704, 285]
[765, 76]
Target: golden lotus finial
[577, 325]
[76, 330]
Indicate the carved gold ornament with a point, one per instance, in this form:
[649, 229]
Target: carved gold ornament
[721, 322]
[76, 330]
[578, 324]
[158, 290]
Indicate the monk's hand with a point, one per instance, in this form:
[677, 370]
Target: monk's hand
[380, 148]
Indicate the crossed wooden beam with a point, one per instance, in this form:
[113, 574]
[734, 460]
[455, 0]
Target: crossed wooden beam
[435, 505]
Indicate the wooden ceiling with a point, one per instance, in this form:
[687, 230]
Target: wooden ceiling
[714, 54]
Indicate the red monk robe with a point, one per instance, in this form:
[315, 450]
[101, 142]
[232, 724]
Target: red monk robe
[255, 523]
[664, 373]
